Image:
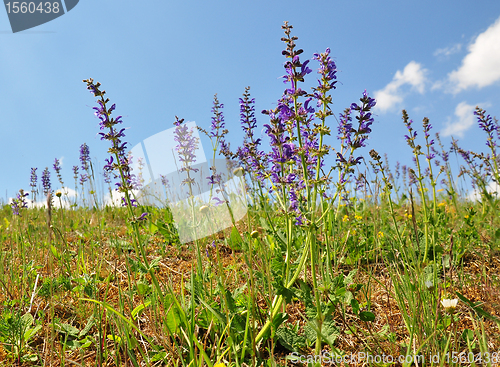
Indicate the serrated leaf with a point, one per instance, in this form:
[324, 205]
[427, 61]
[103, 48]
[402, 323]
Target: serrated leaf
[350, 277]
[290, 339]
[348, 297]
[310, 331]
[329, 332]
[154, 263]
[287, 293]
[306, 297]
[68, 329]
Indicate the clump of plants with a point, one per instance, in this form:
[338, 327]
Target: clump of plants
[340, 257]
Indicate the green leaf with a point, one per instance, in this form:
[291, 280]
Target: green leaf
[115, 338]
[236, 239]
[54, 251]
[154, 264]
[173, 319]
[497, 234]
[231, 304]
[31, 332]
[366, 316]
[153, 228]
[467, 334]
[138, 310]
[476, 307]
[143, 288]
[355, 306]
[26, 320]
[329, 332]
[306, 297]
[290, 339]
[279, 319]
[68, 329]
[88, 326]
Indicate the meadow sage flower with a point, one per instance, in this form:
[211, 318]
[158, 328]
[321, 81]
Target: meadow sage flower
[19, 202]
[46, 181]
[186, 147]
[118, 147]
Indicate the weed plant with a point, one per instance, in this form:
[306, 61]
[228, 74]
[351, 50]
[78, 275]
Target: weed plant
[356, 262]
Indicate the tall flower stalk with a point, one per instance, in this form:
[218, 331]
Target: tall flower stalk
[33, 184]
[186, 147]
[296, 161]
[118, 163]
[417, 151]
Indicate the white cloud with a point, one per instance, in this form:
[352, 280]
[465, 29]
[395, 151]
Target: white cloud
[392, 95]
[464, 120]
[447, 51]
[481, 66]
[65, 201]
[492, 188]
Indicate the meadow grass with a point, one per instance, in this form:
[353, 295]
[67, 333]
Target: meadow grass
[361, 263]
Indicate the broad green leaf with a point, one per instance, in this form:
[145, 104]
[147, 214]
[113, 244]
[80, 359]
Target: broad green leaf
[366, 316]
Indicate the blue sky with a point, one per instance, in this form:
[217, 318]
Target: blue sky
[159, 59]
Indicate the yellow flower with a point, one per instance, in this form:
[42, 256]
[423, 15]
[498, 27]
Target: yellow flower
[345, 219]
[466, 216]
[358, 217]
[441, 204]
[353, 232]
[380, 234]
[219, 365]
[439, 190]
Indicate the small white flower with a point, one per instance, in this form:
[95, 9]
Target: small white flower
[429, 285]
[449, 304]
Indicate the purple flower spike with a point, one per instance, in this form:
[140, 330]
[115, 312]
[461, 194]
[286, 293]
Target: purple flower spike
[46, 181]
